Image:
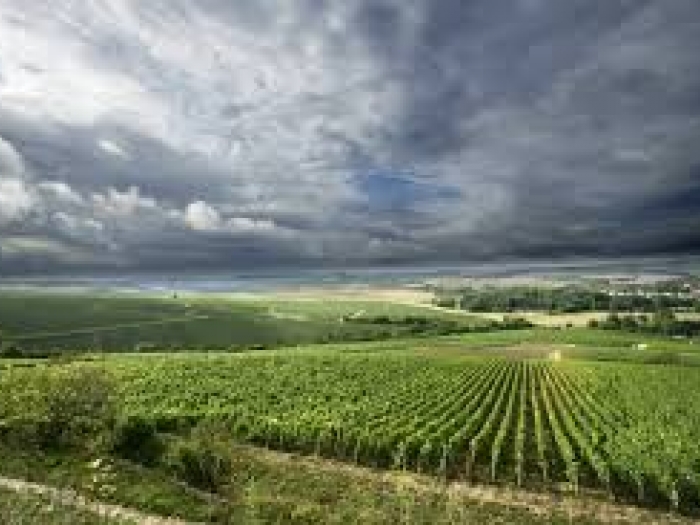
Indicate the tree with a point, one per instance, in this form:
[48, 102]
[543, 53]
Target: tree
[9, 349]
[664, 320]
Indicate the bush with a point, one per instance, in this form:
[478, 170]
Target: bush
[204, 459]
[9, 349]
[447, 302]
[82, 409]
[514, 323]
[66, 408]
[137, 440]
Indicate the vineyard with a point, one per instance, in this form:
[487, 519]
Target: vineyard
[631, 431]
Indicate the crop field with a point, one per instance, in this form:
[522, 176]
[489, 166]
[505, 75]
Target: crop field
[46, 322]
[625, 429]
[123, 322]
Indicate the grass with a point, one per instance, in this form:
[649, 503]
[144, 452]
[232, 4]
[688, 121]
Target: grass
[121, 483]
[335, 309]
[264, 489]
[267, 487]
[578, 336]
[290, 489]
[31, 509]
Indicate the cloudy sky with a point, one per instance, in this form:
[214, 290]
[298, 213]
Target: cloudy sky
[168, 134]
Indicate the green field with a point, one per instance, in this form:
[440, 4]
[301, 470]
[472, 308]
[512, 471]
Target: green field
[124, 322]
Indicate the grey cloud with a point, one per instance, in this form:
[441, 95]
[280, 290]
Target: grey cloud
[218, 134]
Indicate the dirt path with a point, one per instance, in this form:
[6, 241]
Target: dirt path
[71, 498]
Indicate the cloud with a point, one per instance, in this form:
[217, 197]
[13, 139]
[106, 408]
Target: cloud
[202, 217]
[60, 191]
[112, 148]
[122, 203]
[211, 134]
[10, 161]
[16, 201]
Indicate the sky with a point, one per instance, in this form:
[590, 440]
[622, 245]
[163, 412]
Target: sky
[182, 134]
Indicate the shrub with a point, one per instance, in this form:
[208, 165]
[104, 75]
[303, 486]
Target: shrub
[66, 408]
[204, 459]
[513, 323]
[9, 349]
[137, 440]
[82, 408]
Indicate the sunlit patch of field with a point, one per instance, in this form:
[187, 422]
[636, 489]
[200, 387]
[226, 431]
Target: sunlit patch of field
[578, 319]
[366, 293]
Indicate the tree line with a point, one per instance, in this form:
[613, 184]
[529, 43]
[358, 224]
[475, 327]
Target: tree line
[662, 322]
[561, 300]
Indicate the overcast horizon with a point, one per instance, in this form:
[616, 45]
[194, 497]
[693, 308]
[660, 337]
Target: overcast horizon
[177, 135]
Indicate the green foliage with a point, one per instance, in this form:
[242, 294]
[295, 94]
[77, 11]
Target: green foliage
[566, 299]
[74, 407]
[427, 414]
[655, 446]
[10, 350]
[81, 408]
[204, 459]
[430, 326]
[447, 302]
[27, 508]
[137, 439]
[663, 322]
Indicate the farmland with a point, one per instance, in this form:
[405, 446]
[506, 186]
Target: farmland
[56, 322]
[525, 421]
[484, 419]
[600, 414]
[122, 322]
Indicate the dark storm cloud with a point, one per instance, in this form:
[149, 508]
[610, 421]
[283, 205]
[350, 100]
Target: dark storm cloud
[74, 155]
[217, 134]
